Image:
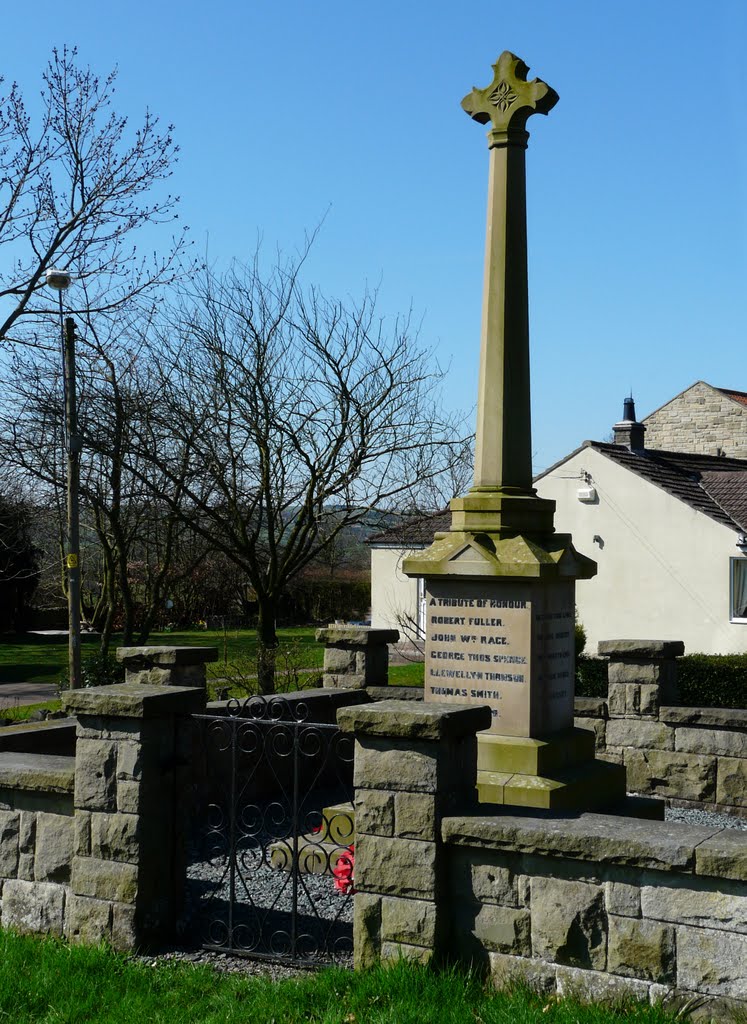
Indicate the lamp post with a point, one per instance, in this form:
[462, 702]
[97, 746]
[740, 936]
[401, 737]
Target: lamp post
[60, 281]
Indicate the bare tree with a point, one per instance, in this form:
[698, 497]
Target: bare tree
[75, 183]
[19, 558]
[137, 532]
[298, 416]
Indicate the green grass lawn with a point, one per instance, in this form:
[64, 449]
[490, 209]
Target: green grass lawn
[35, 659]
[410, 674]
[39, 659]
[43, 981]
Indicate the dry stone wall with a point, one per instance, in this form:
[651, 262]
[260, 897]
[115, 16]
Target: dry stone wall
[414, 763]
[356, 656]
[122, 886]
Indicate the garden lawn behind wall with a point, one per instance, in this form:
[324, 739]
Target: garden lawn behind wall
[42, 659]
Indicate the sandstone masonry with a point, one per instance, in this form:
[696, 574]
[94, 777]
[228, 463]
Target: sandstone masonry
[692, 757]
[702, 420]
[595, 906]
[356, 656]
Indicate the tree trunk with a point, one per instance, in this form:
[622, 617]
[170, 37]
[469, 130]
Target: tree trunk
[267, 645]
[106, 631]
[128, 609]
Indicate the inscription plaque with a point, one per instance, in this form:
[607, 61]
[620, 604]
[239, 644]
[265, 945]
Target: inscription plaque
[508, 644]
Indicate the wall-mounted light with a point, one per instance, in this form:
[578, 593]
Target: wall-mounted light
[742, 542]
[587, 495]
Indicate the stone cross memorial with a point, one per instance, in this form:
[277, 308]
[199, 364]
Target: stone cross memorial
[500, 584]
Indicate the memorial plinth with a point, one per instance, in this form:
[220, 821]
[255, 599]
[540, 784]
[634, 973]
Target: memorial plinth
[500, 584]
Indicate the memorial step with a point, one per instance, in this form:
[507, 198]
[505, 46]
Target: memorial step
[498, 753]
[318, 852]
[588, 786]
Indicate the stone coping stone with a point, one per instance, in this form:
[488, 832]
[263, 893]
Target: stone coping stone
[49, 773]
[38, 737]
[8, 732]
[600, 838]
[415, 720]
[723, 718]
[134, 700]
[395, 692]
[356, 636]
[167, 656]
[724, 855]
[590, 707]
[637, 649]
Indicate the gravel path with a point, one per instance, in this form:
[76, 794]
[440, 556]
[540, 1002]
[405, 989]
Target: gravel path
[15, 694]
[694, 817]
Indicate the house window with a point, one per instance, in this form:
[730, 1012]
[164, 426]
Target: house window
[739, 589]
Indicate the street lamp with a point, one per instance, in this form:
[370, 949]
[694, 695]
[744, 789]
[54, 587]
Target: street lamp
[60, 280]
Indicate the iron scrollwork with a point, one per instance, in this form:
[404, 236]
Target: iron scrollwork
[275, 871]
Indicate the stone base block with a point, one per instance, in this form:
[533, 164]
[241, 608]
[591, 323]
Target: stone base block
[412, 922]
[599, 987]
[393, 952]
[33, 907]
[508, 971]
[315, 857]
[589, 786]
[494, 511]
[366, 930]
[529, 756]
[338, 824]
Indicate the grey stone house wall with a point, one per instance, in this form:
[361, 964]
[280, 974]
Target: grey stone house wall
[701, 420]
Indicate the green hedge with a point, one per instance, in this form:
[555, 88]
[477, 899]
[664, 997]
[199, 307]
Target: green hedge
[591, 677]
[705, 680]
[713, 680]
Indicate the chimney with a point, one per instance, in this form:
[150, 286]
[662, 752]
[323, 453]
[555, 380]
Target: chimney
[629, 432]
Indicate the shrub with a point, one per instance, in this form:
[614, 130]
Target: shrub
[713, 680]
[591, 677]
[704, 680]
[579, 635]
[238, 677]
[97, 670]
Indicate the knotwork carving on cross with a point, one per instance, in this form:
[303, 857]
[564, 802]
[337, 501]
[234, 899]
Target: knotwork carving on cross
[510, 100]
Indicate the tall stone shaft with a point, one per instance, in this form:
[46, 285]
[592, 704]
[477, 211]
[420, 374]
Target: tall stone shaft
[499, 584]
[503, 450]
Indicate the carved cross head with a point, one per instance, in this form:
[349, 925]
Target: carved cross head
[510, 100]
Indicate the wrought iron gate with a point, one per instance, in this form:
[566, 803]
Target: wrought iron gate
[272, 875]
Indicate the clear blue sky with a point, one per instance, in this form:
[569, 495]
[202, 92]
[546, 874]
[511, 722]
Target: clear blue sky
[637, 180]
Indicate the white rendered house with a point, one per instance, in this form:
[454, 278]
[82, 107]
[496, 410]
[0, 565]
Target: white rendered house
[668, 531]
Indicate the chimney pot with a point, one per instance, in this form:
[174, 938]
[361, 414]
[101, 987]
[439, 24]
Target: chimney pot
[629, 432]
